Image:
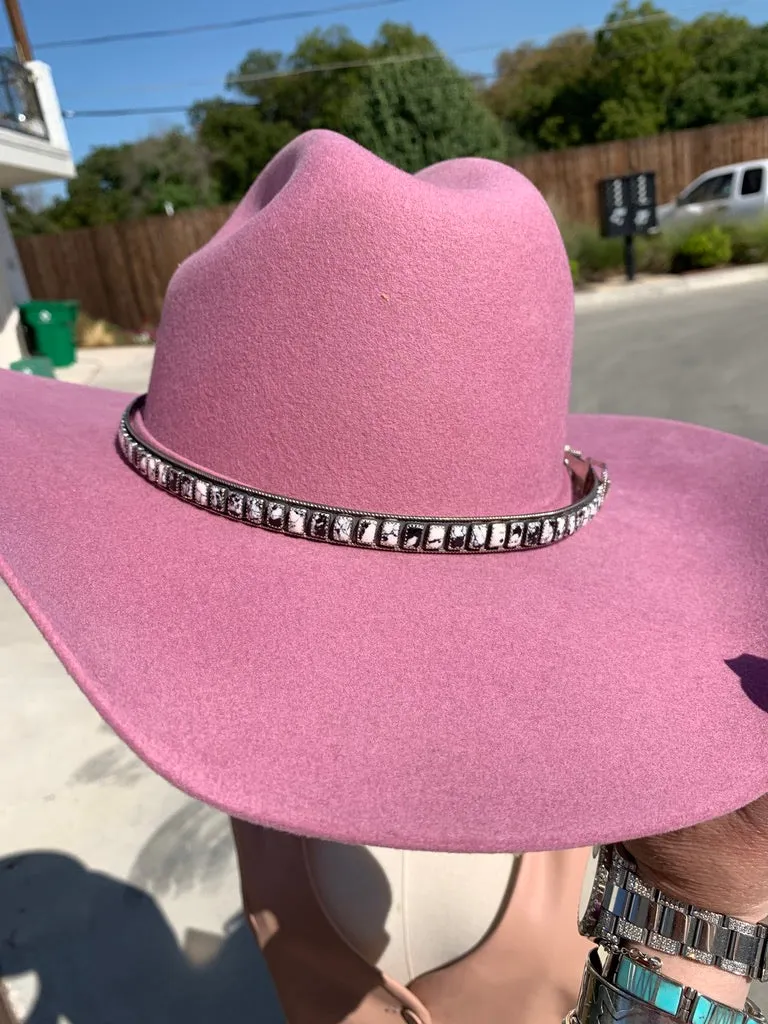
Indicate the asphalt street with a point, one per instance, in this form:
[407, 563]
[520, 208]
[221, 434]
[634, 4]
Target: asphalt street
[700, 357]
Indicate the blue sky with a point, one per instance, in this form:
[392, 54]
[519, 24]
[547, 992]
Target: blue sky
[177, 71]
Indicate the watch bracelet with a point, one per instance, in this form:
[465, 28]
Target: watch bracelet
[604, 1001]
[635, 912]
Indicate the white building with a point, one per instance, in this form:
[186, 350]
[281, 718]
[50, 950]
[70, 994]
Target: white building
[33, 148]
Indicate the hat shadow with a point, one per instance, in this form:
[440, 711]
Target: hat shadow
[103, 951]
[753, 673]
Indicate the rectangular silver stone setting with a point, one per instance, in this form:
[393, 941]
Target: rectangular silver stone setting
[275, 515]
[532, 534]
[689, 953]
[435, 538]
[478, 535]
[254, 509]
[217, 499]
[627, 930]
[413, 535]
[734, 924]
[201, 492]
[187, 486]
[366, 531]
[297, 520]
[342, 529]
[498, 536]
[457, 537]
[390, 533]
[515, 539]
[235, 504]
[635, 885]
[349, 527]
[319, 524]
[733, 967]
[658, 942]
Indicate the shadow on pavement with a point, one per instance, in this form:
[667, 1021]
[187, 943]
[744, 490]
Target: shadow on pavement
[104, 953]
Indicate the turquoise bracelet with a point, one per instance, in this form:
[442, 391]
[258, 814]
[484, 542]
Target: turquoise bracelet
[639, 976]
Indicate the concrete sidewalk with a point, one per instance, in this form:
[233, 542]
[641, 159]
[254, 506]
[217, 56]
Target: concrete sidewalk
[620, 292]
[112, 883]
[119, 896]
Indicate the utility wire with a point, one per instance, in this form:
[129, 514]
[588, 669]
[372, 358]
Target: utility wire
[216, 26]
[541, 40]
[269, 76]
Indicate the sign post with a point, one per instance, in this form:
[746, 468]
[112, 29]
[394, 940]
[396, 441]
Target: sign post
[627, 209]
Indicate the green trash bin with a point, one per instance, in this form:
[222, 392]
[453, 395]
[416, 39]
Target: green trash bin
[38, 366]
[51, 329]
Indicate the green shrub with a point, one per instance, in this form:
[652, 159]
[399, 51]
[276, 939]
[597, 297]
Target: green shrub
[596, 257]
[749, 242]
[655, 253]
[702, 249]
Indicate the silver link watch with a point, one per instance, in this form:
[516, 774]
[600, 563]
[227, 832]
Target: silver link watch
[616, 905]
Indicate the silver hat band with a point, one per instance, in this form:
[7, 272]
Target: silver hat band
[367, 529]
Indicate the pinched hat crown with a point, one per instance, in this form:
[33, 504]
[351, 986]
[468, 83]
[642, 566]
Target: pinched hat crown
[364, 338]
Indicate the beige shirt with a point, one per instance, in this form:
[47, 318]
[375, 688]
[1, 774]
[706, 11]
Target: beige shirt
[355, 936]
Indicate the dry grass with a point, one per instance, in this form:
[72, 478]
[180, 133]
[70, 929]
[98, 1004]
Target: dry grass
[102, 334]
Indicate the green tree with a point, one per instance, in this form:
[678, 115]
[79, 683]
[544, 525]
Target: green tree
[24, 217]
[279, 96]
[544, 95]
[286, 90]
[239, 141]
[138, 179]
[639, 65]
[729, 80]
[418, 113]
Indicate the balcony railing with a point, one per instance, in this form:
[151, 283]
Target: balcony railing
[19, 104]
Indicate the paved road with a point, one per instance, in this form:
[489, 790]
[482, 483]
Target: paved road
[79, 792]
[700, 357]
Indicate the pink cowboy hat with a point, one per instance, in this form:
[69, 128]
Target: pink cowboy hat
[447, 630]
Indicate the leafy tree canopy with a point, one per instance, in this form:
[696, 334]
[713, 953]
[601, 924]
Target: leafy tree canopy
[641, 73]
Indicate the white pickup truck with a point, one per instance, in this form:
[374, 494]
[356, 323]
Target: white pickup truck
[735, 192]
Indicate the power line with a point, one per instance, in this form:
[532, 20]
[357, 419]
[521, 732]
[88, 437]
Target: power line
[217, 26]
[368, 62]
[540, 40]
[131, 111]
[179, 109]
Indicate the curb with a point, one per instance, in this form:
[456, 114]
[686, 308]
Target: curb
[626, 294]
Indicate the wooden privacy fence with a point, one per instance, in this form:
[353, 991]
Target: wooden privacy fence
[119, 272]
[568, 177]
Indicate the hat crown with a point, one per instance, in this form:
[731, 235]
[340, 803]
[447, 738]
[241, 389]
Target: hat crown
[361, 337]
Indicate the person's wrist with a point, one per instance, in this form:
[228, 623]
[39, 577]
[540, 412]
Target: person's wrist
[708, 867]
[702, 885]
[731, 989]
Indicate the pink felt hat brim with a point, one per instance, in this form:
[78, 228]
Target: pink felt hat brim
[521, 701]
